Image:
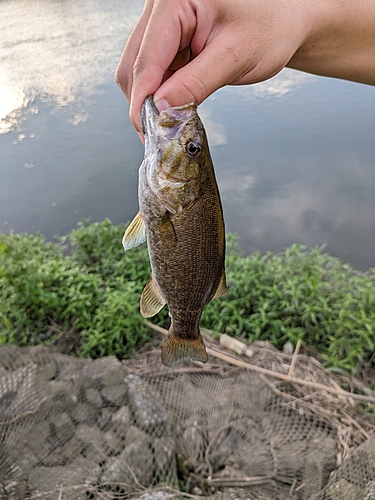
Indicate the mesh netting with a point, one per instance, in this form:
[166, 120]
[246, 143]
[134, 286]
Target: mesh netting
[82, 429]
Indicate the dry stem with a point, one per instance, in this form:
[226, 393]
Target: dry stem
[271, 373]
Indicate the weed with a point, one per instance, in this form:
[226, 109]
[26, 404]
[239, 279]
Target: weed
[87, 283]
[39, 286]
[298, 294]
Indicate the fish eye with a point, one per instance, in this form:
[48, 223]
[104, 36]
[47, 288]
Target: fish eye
[193, 149]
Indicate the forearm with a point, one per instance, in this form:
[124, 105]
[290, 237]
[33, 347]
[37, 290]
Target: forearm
[341, 41]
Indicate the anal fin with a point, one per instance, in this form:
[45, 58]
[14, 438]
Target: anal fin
[151, 299]
[135, 233]
[176, 349]
[222, 287]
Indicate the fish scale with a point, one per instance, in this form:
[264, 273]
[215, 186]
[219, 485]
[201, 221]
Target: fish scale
[181, 217]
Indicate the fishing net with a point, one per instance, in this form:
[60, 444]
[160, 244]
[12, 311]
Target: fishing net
[74, 429]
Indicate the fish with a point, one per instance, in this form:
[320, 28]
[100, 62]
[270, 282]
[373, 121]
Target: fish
[181, 217]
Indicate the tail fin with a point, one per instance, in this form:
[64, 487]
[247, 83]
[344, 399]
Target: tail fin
[177, 349]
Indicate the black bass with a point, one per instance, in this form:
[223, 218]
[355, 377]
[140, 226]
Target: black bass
[181, 216]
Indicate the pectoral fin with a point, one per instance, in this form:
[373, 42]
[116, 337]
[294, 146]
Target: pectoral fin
[135, 233]
[151, 300]
[222, 287]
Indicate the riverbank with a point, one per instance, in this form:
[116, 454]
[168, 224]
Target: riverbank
[81, 295]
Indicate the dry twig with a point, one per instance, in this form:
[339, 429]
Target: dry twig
[294, 359]
[271, 373]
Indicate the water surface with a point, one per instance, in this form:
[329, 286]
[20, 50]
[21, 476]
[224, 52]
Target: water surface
[294, 156]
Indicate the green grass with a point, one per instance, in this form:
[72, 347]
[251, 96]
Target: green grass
[89, 288]
[90, 297]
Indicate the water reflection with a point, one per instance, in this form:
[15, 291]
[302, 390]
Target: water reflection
[299, 165]
[294, 156]
[12, 100]
[60, 51]
[280, 85]
[301, 201]
[215, 131]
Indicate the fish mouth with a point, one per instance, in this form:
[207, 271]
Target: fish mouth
[167, 123]
[149, 117]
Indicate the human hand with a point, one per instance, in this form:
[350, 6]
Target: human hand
[183, 50]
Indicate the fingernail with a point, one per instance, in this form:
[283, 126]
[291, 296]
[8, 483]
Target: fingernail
[162, 104]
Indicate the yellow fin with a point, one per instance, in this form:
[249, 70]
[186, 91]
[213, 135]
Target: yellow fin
[151, 299]
[222, 287]
[176, 349]
[135, 233]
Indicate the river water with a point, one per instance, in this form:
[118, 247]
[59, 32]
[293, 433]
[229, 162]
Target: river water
[294, 156]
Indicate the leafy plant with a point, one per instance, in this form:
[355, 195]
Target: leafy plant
[40, 287]
[86, 283]
[298, 294]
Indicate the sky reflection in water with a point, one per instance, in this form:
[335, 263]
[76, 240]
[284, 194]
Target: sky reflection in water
[294, 156]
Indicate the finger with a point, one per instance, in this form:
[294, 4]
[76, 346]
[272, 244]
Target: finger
[182, 58]
[169, 30]
[221, 62]
[124, 71]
